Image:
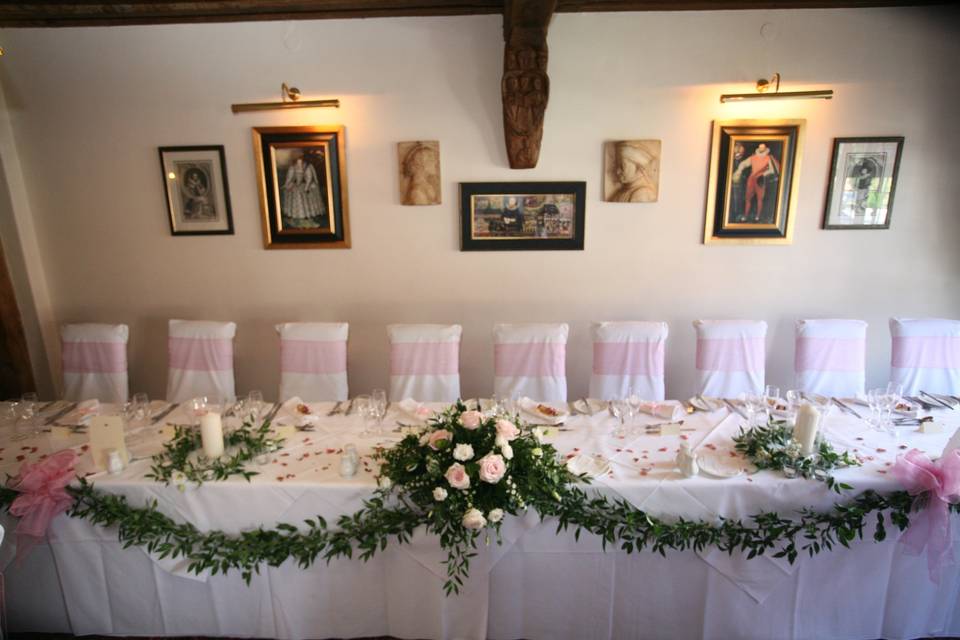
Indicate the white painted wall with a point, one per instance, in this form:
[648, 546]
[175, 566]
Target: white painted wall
[90, 106]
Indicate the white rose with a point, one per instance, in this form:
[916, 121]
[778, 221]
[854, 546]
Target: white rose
[439, 494]
[500, 441]
[538, 434]
[506, 451]
[473, 519]
[537, 453]
[462, 452]
[424, 439]
[495, 515]
[384, 482]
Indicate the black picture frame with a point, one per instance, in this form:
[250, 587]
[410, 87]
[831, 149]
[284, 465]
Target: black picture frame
[522, 216]
[753, 182]
[863, 170]
[302, 178]
[196, 190]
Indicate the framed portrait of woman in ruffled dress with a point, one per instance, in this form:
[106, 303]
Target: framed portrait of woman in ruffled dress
[303, 187]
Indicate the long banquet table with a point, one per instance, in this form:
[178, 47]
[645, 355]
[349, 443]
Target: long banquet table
[537, 584]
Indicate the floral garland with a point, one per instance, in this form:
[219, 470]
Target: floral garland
[179, 464]
[455, 493]
[773, 447]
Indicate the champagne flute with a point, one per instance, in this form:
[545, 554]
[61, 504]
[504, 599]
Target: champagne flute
[379, 399]
[141, 407]
[254, 405]
[363, 406]
[28, 403]
[794, 399]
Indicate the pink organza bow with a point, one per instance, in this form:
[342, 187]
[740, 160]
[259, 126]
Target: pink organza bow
[930, 528]
[43, 496]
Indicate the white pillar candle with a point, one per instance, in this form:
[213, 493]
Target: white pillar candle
[805, 429]
[211, 434]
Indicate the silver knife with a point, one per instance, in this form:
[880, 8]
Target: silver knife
[336, 409]
[936, 399]
[846, 408]
[734, 408]
[163, 414]
[59, 414]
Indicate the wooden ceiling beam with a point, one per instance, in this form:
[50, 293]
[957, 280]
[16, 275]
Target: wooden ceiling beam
[90, 13]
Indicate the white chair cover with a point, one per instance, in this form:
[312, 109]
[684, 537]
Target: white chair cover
[200, 360]
[313, 361]
[530, 360]
[628, 358]
[830, 357]
[94, 358]
[425, 362]
[730, 356]
[925, 355]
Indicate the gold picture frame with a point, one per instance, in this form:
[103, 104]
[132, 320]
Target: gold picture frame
[753, 182]
[302, 178]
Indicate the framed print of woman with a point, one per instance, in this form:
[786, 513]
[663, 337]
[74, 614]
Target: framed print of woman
[302, 199]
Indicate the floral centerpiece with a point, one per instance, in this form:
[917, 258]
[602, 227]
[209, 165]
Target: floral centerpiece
[467, 470]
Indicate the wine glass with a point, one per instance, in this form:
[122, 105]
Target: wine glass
[141, 407]
[378, 398]
[637, 403]
[751, 404]
[771, 398]
[29, 402]
[196, 408]
[620, 408]
[254, 405]
[363, 405]
[794, 399]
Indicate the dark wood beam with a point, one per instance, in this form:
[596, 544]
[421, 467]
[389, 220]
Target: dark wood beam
[52, 13]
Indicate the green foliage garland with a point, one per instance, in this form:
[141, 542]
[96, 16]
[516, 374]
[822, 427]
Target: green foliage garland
[179, 462]
[548, 488]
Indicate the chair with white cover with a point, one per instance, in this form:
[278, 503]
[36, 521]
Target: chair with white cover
[313, 360]
[200, 360]
[730, 357]
[94, 360]
[925, 355]
[425, 362]
[530, 360]
[628, 358]
[830, 357]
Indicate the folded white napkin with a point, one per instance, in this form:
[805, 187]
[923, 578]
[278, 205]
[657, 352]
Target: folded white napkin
[591, 406]
[82, 413]
[415, 411]
[289, 413]
[542, 412]
[704, 403]
[662, 410]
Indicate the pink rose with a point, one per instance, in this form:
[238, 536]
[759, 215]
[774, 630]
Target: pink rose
[471, 419]
[457, 476]
[439, 438]
[507, 429]
[492, 468]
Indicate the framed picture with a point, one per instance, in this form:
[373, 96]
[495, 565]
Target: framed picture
[198, 196]
[303, 187]
[631, 171]
[863, 178]
[753, 183]
[512, 216]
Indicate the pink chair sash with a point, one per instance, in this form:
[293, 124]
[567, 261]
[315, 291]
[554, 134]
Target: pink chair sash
[313, 356]
[830, 354]
[929, 352]
[930, 528]
[628, 358]
[730, 354]
[94, 357]
[201, 354]
[43, 496]
[530, 359]
[424, 358]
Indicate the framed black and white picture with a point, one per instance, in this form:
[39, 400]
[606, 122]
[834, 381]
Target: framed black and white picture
[863, 179]
[198, 196]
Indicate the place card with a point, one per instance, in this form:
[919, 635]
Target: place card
[931, 427]
[285, 431]
[670, 429]
[106, 432]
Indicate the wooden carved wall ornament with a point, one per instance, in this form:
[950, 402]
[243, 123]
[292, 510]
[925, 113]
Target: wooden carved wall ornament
[525, 87]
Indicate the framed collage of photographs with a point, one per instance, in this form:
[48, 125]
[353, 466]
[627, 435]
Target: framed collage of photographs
[198, 196]
[753, 181]
[863, 179]
[518, 216]
[302, 179]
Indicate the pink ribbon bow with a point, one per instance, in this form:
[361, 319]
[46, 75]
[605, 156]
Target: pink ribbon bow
[43, 496]
[930, 528]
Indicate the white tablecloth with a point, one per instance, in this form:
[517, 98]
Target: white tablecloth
[537, 584]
